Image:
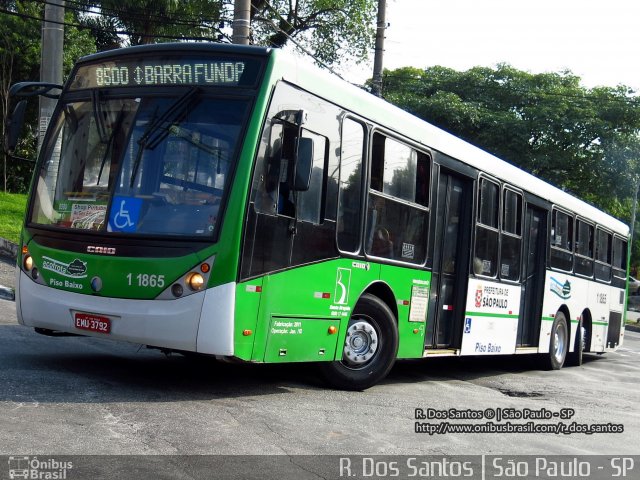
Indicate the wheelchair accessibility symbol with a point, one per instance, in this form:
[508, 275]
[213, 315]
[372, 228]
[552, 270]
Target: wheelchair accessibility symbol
[125, 212]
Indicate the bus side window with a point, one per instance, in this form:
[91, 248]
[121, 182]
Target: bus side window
[310, 203]
[511, 236]
[619, 257]
[603, 255]
[267, 178]
[396, 225]
[485, 261]
[561, 241]
[584, 248]
[350, 196]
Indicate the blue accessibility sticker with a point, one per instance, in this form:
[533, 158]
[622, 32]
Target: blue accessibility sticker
[467, 325]
[125, 213]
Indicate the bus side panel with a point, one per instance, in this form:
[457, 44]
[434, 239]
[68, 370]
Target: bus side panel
[617, 302]
[491, 318]
[599, 295]
[248, 295]
[411, 288]
[562, 290]
[293, 299]
[577, 295]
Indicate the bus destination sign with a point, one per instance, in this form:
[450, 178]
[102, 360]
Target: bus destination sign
[153, 72]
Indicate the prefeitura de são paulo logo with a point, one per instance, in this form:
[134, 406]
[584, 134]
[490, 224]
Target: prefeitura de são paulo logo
[479, 296]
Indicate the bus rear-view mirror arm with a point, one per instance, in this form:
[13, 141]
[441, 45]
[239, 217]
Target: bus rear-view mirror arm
[35, 89]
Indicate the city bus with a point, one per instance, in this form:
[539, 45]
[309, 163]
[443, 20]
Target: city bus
[232, 201]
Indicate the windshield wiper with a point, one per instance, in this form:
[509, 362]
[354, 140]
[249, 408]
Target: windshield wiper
[98, 115]
[154, 134]
[107, 151]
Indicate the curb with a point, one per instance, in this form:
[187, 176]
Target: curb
[8, 249]
[7, 294]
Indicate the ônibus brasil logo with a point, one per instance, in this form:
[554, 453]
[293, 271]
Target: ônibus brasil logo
[32, 467]
[563, 290]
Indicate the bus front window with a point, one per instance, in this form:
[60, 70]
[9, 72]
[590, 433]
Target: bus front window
[149, 165]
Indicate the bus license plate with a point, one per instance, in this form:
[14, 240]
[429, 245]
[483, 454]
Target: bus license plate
[93, 323]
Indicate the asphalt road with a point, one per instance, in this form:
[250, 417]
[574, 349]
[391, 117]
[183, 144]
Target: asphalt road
[76, 395]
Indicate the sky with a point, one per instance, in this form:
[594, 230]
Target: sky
[598, 40]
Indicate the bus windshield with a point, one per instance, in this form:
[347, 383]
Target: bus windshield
[151, 165]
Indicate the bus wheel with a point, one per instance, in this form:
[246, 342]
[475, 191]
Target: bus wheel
[370, 347]
[558, 343]
[575, 358]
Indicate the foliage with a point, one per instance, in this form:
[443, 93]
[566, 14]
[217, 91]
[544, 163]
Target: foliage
[20, 61]
[152, 21]
[12, 207]
[582, 140]
[331, 29]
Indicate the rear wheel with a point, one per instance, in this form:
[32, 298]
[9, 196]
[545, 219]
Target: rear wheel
[369, 349]
[575, 358]
[558, 343]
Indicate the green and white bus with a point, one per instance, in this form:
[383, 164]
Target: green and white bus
[231, 201]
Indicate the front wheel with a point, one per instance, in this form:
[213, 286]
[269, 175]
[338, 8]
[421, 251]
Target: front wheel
[369, 349]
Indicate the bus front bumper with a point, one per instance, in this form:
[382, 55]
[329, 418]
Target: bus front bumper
[201, 322]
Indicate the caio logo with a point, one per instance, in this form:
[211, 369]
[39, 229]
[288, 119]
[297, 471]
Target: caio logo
[102, 250]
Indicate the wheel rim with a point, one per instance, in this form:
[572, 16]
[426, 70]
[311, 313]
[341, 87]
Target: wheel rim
[584, 339]
[559, 344]
[361, 343]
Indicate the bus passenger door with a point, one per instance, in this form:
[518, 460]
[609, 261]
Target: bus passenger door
[535, 234]
[450, 262]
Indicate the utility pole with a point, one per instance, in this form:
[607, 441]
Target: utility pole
[51, 59]
[241, 22]
[377, 62]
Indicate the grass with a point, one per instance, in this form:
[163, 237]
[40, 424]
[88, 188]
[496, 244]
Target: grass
[12, 206]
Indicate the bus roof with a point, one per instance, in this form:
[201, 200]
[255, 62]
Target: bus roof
[389, 116]
[183, 47]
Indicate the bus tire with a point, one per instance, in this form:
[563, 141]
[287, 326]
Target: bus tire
[558, 343]
[370, 347]
[575, 358]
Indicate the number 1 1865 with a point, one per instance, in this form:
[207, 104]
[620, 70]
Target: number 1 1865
[145, 280]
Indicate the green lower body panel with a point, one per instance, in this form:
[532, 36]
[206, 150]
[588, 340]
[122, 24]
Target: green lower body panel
[301, 339]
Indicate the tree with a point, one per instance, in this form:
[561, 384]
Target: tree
[331, 29]
[20, 33]
[20, 59]
[151, 21]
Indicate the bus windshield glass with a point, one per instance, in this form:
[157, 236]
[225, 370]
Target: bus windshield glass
[140, 164]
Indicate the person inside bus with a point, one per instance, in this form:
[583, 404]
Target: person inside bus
[382, 246]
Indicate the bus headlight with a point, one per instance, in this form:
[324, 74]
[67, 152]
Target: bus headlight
[27, 262]
[195, 281]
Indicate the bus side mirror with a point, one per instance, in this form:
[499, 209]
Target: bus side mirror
[14, 126]
[304, 164]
